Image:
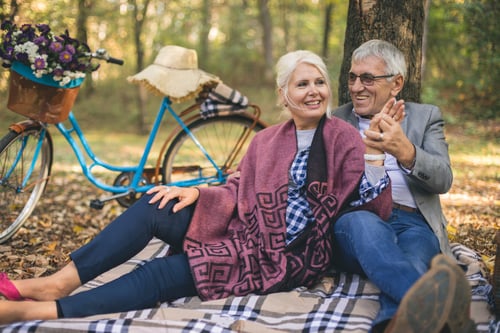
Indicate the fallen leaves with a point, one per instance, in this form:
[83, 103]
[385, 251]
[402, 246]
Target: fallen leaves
[63, 220]
[61, 223]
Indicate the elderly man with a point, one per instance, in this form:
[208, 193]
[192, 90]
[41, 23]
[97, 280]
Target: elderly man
[396, 254]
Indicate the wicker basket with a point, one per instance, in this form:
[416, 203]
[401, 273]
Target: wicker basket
[38, 101]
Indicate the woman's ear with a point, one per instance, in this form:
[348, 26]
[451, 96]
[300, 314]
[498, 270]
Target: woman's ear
[281, 97]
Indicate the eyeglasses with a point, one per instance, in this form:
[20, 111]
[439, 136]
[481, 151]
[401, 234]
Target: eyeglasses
[366, 78]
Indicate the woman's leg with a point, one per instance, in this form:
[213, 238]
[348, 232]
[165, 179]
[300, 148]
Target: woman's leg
[13, 311]
[128, 234]
[123, 238]
[160, 280]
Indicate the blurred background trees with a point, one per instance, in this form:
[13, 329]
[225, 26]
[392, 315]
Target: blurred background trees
[240, 40]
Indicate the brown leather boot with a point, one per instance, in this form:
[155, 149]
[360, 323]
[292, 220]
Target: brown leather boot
[459, 320]
[427, 304]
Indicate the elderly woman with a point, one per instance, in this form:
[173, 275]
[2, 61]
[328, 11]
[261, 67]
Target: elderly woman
[267, 229]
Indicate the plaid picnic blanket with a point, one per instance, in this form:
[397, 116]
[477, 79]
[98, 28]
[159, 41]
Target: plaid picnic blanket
[222, 98]
[339, 303]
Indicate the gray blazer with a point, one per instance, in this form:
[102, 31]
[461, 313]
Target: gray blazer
[432, 174]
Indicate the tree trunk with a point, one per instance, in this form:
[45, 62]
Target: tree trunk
[205, 31]
[327, 27]
[398, 22]
[8, 13]
[267, 41]
[425, 37]
[139, 19]
[283, 5]
[81, 34]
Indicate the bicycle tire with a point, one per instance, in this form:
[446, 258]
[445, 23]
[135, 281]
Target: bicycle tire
[17, 202]
[184, 161]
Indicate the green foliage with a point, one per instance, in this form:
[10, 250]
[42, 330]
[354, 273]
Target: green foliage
[463, 58]
[462, 67]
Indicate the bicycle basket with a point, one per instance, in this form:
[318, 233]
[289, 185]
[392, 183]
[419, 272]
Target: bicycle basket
[45, 103]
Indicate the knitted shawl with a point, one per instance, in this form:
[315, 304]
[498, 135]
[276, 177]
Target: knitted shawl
[236, 239]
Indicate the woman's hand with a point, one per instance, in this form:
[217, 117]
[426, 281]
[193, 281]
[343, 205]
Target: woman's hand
[185, 195]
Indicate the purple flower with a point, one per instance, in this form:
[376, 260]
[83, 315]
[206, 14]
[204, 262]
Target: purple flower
[7, 38]
[26, 28]
[58, 71]
[65, 57]
[56, 47]
[38, 47]
[41, 41]
[40, 63]
[70, 48]
[8, 52]
[27, 33]
[22, 57]
[7, 25]
[43, 28]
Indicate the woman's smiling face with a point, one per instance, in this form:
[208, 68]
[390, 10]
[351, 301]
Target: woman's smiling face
[307, 97]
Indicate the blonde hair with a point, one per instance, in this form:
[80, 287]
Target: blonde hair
[287, 64]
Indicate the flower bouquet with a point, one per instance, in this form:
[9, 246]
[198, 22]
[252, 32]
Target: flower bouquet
[46, 70]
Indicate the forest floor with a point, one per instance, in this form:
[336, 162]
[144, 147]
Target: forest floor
[63, 221]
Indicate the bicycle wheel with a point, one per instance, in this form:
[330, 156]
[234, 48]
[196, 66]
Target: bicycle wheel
[185, 164]
[19, 190]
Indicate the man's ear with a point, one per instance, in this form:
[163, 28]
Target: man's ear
[398, 83]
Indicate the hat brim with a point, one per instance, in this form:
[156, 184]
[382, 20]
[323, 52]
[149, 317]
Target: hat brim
[177, 84]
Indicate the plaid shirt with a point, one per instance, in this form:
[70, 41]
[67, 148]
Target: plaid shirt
[298, 212]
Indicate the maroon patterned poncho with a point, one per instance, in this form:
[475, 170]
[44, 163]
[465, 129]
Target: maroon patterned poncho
[236, 240]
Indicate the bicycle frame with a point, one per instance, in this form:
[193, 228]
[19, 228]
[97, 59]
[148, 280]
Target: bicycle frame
[75, 137]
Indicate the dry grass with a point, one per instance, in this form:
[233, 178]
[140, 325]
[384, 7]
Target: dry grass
[63, 220]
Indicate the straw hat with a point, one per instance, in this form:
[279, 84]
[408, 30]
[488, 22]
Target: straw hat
[175, 74]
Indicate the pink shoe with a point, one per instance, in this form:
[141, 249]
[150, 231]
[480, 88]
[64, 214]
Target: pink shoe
[8, 290]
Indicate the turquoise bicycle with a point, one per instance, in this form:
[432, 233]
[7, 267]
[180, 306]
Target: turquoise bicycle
[200, 151]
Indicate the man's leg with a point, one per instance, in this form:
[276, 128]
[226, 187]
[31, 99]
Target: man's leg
[438, 302]
[415, 238]
[365, 243]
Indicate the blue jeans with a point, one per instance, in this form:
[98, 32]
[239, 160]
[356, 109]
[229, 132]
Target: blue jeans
[393, 254]
[159, 280]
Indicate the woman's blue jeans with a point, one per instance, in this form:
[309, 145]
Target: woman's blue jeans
[159, 280]
[392, 254]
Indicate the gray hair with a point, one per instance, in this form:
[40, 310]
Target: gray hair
[394, 59]
[287, 64]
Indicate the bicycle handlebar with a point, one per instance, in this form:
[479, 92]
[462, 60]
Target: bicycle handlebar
[102, 54]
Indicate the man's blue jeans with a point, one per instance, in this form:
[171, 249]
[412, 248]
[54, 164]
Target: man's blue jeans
[392, 254]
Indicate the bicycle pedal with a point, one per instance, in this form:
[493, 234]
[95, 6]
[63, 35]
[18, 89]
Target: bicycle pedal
[96, 204]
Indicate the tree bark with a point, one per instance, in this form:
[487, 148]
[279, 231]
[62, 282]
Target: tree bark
[8, 12]
[205, 31]
[398, 22]
[81, 34]
[327, 28]
[139, 17]
[267, 41]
